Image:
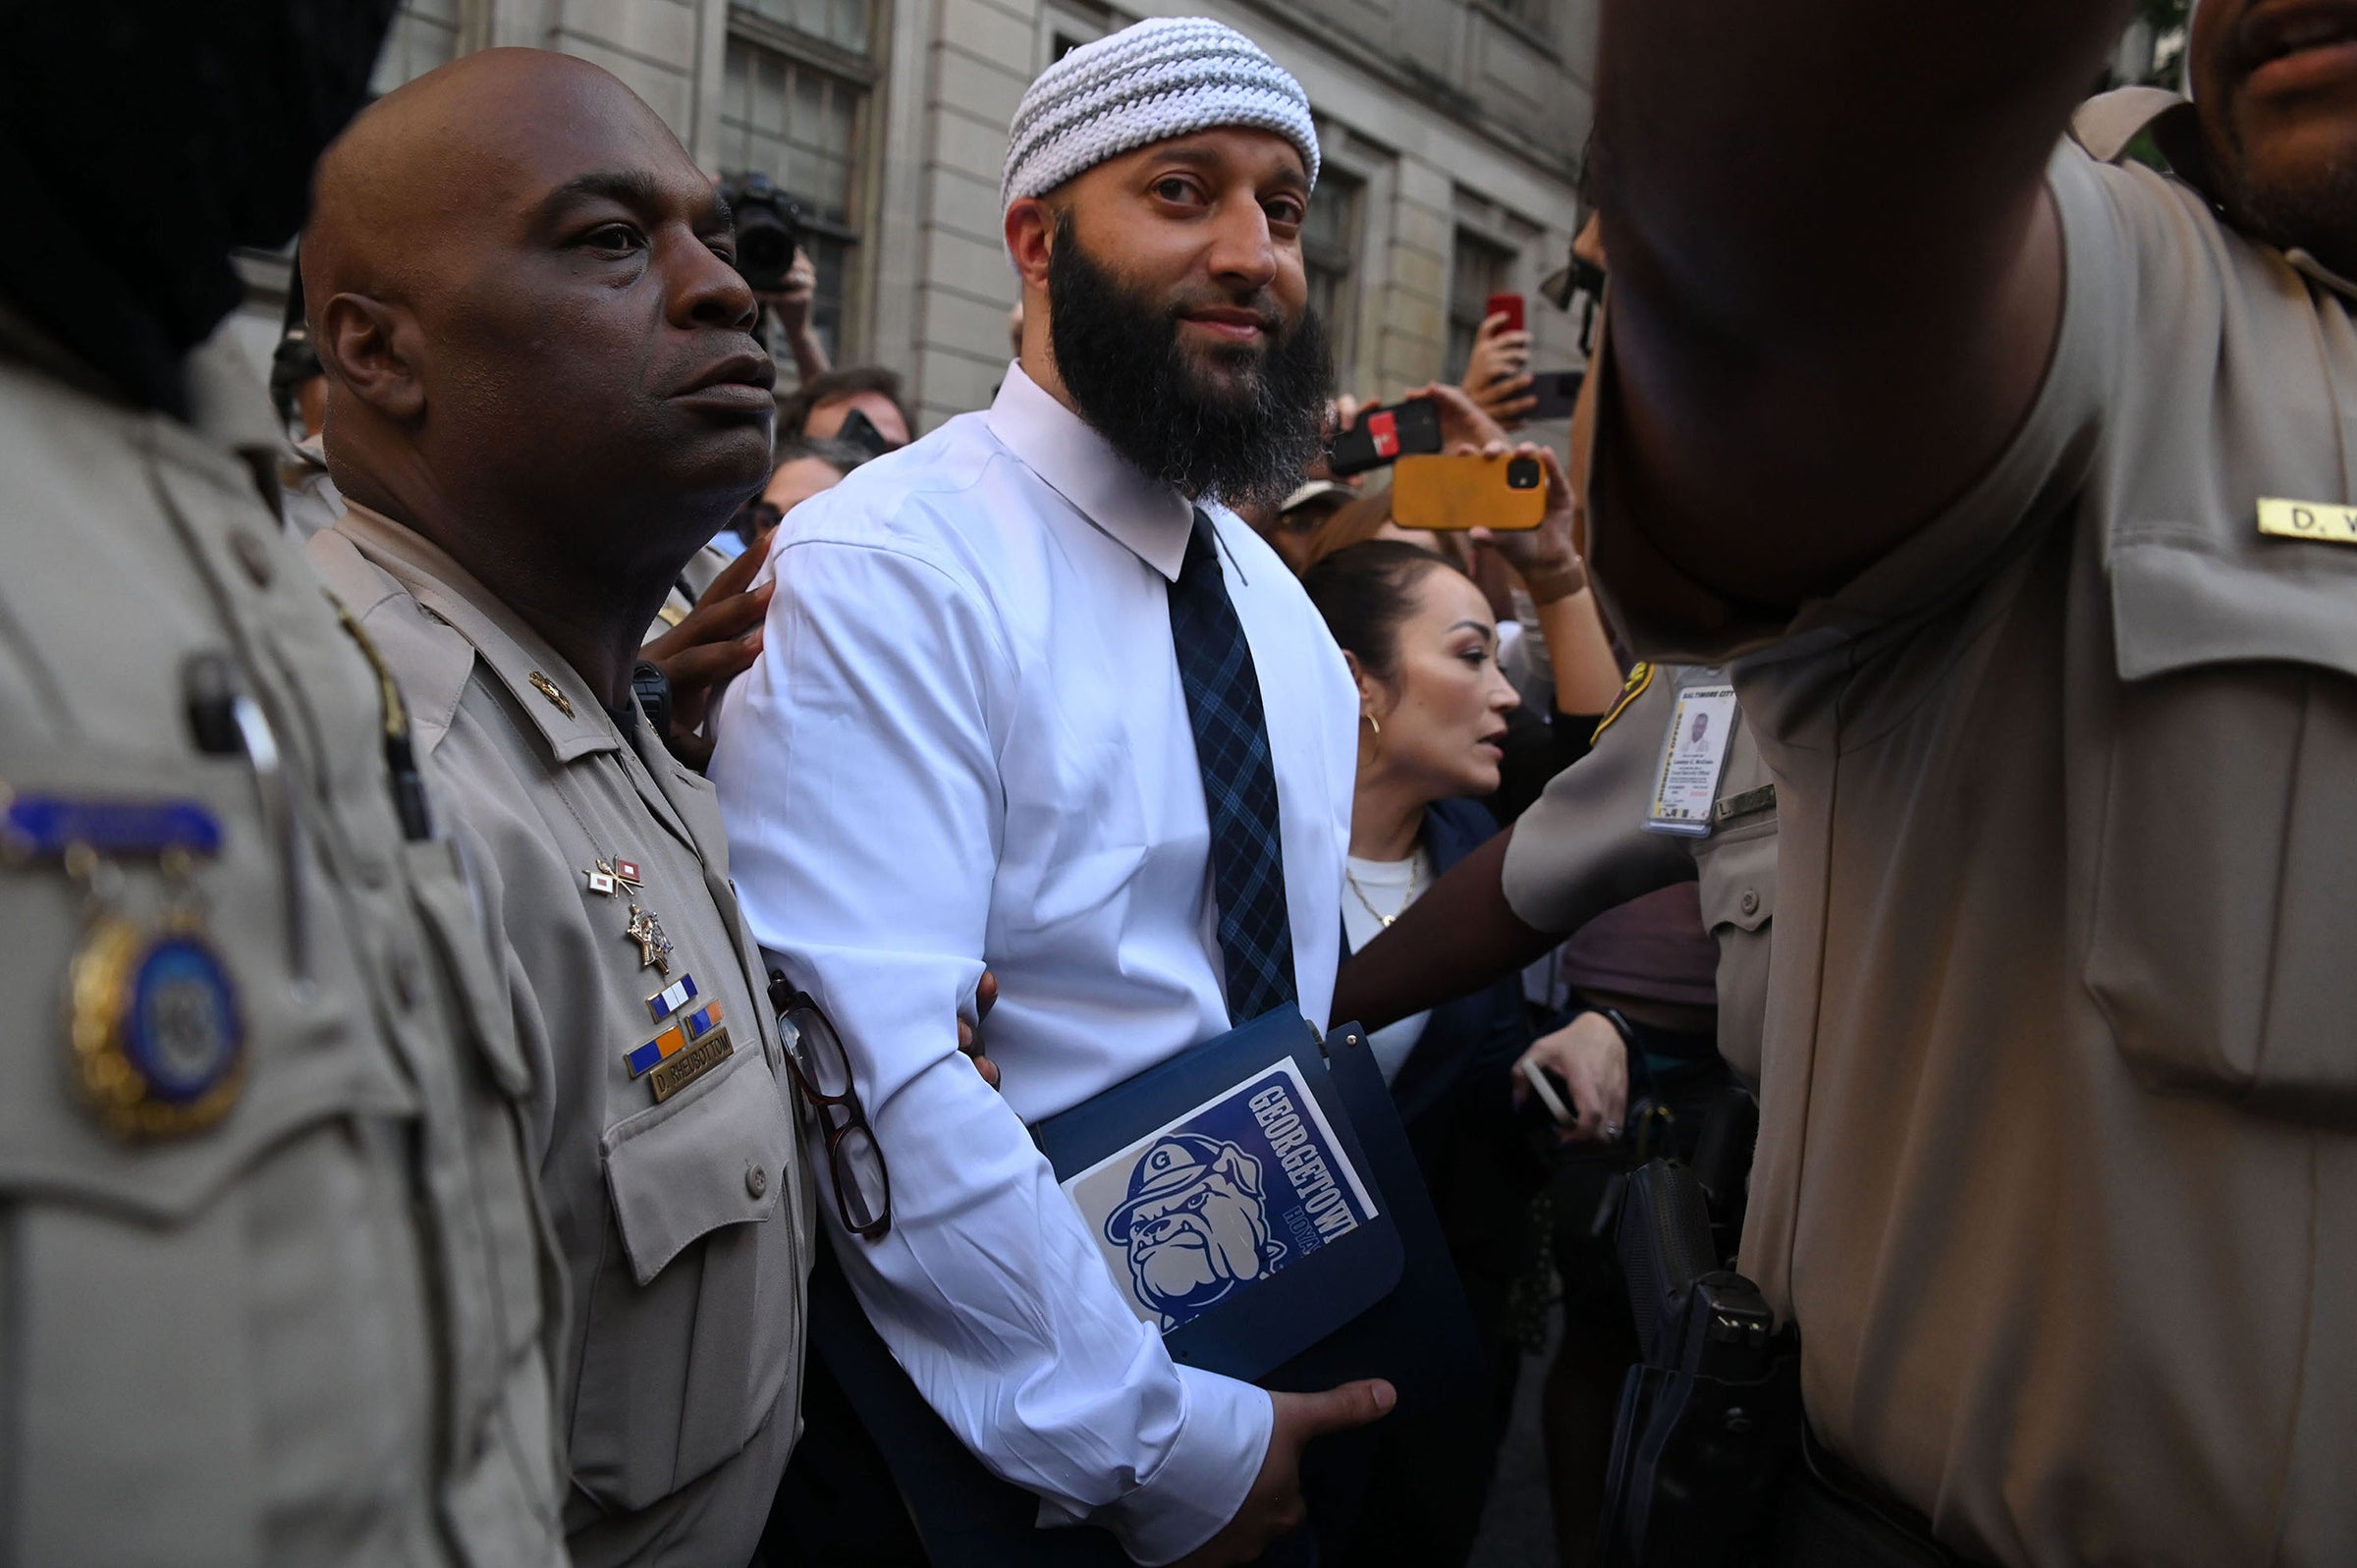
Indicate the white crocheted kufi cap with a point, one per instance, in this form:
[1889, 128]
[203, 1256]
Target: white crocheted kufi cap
[1164, 78]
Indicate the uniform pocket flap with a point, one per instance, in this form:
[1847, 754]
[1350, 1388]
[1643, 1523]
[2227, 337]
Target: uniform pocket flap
[2177, 604]
[1738, 876]
[715, 1155]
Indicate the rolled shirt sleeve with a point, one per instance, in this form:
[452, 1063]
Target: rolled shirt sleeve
[860, 776]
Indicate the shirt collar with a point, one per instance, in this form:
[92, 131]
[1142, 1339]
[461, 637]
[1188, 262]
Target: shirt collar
[558, 701]
[1151, 520]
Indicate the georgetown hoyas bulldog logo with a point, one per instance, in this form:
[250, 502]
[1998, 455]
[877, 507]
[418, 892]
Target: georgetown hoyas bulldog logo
[1248, 1183]
[1196, 1225]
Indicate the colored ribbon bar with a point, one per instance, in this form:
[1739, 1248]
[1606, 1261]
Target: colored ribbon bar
[49, 825]
[672, 998]
[703, 1021]
[652, 1053]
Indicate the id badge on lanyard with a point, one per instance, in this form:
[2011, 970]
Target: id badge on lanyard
[1693, 758]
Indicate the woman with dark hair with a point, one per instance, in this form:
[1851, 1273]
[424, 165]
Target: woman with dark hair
[1422, 643]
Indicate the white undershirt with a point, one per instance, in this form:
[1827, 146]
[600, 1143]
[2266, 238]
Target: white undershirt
[1390, 885]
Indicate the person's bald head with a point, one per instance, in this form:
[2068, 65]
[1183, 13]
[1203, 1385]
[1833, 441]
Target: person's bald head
[517, 274]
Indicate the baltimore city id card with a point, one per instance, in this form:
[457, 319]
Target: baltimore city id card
[1230, 1198]
[1693, 757]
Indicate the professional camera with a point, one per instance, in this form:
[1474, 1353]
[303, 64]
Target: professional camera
[769, 229]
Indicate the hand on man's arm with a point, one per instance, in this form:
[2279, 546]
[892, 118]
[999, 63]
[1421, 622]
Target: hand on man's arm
[713, 644]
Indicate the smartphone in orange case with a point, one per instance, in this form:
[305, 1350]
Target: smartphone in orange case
[1505, 492]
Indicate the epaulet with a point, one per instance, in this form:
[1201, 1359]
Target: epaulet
[2107, 123]
[1640, 675]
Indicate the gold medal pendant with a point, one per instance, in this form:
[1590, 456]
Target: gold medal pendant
[159, 1042]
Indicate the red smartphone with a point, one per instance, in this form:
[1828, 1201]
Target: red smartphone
[1508, 306]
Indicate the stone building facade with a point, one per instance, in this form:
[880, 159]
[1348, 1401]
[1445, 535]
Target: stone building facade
[1451, 130]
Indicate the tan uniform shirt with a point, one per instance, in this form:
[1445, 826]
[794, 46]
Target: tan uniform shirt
[2056, 1168]
[310, 1331]
[308, 501]
[683, 1222]
[1583, 848]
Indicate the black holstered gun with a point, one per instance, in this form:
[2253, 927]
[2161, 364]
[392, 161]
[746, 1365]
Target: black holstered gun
[1710, 1416]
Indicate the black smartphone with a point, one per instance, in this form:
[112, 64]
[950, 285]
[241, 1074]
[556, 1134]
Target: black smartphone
[1384, 434]
[1557, 391]
[861, 432]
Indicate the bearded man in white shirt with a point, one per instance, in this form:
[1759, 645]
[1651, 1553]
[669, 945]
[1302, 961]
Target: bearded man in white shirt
[1033, 696]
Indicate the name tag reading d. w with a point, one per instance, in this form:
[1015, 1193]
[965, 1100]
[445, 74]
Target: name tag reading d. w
[2327, 520]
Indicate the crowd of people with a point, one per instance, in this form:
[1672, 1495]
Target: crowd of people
[571, 906]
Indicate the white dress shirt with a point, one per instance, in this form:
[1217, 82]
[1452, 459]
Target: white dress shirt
[965, 744]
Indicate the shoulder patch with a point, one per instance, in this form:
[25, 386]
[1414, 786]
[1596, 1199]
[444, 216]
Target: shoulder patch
[1640, 675]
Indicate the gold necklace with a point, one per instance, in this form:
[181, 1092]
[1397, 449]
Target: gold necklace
[1415, 872]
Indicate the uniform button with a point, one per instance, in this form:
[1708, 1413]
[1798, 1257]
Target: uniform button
[1750, 901]
[756, 1180]
[255, 557]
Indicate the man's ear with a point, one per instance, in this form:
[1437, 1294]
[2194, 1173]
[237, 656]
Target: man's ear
[373, 350]
[1030, 228]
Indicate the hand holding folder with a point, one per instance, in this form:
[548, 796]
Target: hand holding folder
[1272, 1508]
[1257, 1199]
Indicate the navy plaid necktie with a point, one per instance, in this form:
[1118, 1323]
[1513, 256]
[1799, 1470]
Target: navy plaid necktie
[1240, 782]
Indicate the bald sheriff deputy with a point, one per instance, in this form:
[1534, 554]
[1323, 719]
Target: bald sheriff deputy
[544, 400]
[1996, 516]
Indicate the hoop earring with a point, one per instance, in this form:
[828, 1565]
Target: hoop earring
[1374, 723]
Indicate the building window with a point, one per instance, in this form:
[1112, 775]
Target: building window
[424, 34]
[795, 95]
[1480, 269]
[1330, 236]
[844, 23]
[1536, 15]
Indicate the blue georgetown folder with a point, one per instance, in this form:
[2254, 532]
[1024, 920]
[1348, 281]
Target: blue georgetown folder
[1236, 1197]
[1257, 1199]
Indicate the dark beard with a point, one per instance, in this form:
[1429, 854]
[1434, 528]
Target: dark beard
[1246, 443]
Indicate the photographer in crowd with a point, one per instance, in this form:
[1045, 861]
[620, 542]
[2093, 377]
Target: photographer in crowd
[776, 266]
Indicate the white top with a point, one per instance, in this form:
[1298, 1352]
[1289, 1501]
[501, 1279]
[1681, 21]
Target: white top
[1390, 885]
[966, 743]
